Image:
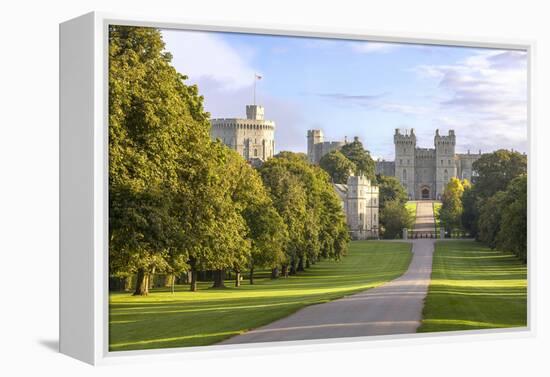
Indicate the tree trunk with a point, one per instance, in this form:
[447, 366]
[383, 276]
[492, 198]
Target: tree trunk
[193, 286]
[237, 278]
[284, 271]
[128, 284]
[189, 277]
[300, 264]
[308, 265]
[219, 278]
[169, 280]
[275, 273]
[142, 283]
[251, 276]
[151, 278]
[292, 269]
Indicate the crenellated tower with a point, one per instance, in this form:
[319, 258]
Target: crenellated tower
[314, 137]
[445, 165]
[405, 146]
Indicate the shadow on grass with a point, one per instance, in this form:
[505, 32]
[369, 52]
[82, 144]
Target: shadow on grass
[474, 287]
[208, 316]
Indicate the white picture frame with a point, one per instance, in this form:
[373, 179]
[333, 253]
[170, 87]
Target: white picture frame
[84, 188]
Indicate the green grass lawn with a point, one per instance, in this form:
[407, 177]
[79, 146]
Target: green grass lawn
[185, 318]
[411, 207]
[474, 287]
[437, 219]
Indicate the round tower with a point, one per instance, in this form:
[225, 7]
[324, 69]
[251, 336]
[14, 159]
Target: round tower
[253, 137]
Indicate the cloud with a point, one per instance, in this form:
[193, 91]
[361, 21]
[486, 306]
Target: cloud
[376, 102]
[485, 95]
[204, 55]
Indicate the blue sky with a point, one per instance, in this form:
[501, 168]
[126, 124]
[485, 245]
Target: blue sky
[358, 88]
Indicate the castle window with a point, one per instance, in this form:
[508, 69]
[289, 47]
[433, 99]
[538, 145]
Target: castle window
[375, 217]
[401, 162]
[446, 175]
[404, 174]
[449, 162]
[441, 162]
[255, 152]
[408, 162]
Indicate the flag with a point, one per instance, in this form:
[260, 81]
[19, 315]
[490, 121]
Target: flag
[258, 77]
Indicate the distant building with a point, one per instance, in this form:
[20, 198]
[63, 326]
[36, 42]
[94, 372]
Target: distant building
[424, 172]
[253, 137]
[360, 200]
[317, 147]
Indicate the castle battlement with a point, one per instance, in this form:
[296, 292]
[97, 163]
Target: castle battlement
[406, 138]
[424, 172]
[252, 137]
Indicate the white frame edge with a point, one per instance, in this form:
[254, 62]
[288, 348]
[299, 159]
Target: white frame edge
[84, 191]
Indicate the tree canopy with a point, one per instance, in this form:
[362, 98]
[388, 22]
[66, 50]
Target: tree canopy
[452, 207]
[158, 151]
[393, 218]
[390, 188]
[496, 170]
[356, 153]
[304, 197]
[338, 166]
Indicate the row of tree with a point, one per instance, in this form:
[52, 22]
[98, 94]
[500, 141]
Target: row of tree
[180, 202]
[494, 208]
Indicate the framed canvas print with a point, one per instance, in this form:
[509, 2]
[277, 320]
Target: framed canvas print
[225, 187]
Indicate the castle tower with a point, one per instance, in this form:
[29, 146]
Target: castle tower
[254, 112]
[253, 137]
[361, 208]
[313, 137]
[405, 146]
[445, 166]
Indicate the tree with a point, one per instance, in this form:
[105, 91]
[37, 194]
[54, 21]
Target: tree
[512, 236]
[390, 189]
[490, 217]
[266, 230]
[290, 200]
[471, 203]
[451, 207]
[167, 182]
[337, 166]
[156, 126]
[358, 155]
[305, 198]
[496, 170]
[393, 218]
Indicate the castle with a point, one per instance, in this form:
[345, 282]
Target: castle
[253, 137]
[359, 197]
[424, 172]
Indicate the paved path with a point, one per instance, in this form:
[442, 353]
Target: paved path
[393, 308]
[424, 217]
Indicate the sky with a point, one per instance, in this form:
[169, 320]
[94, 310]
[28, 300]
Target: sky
[360, 88]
